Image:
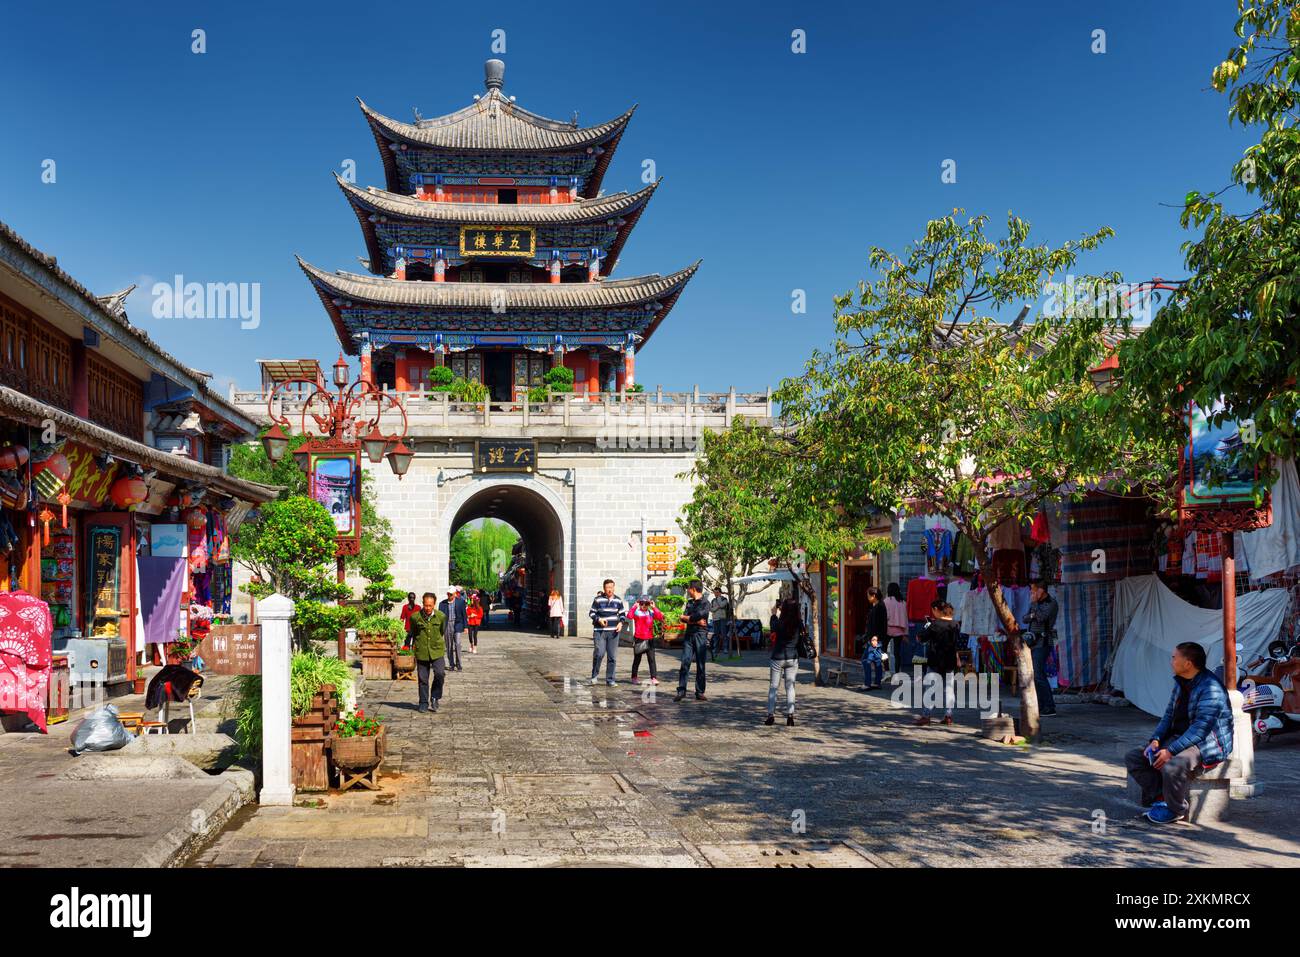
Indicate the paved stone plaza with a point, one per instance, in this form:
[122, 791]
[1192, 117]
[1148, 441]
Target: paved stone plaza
[516, 770]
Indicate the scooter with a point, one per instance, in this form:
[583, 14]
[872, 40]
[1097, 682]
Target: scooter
[1272, 698]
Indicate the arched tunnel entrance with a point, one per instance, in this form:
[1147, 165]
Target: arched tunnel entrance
[538, 562]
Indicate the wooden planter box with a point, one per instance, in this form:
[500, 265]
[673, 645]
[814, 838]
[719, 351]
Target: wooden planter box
[309, 740]
[403, 664]
[377, 654]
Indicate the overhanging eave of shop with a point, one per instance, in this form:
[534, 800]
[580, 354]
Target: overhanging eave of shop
[21, 408]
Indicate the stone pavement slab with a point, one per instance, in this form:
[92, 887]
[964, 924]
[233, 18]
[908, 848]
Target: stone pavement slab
[521, 767]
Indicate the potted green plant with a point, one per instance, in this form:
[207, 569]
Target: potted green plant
[380, 637]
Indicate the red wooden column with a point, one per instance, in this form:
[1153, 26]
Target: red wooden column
[402, 371]
[593, 372]
[367, 373]
[1227, 546]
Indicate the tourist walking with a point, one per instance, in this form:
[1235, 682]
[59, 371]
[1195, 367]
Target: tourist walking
[485, 599]
[720, 611]
[555, 611]
[896, 612]
[409, 609]
[452, 610]
[607, 616]
[784, 664]
[940, 635]
[1040, 634]
[428, 642]
[473, 620]
[644, 616]
[695, 616]
[877, 628]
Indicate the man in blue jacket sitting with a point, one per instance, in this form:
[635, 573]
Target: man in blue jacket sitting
[1194, 734]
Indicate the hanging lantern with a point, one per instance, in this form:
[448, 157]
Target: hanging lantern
[399, 459]
[375, 443]
[129, 491]
[12, 457]
[275, 442]
[196, 518]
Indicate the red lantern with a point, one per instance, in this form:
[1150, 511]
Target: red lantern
[129, 491]
[12, 457]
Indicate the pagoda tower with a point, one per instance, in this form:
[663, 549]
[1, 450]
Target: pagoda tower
[489, 250]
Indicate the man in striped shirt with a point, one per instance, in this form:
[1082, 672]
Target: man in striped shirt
[607, 616]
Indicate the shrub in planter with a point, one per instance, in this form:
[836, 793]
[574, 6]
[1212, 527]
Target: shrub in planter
[358, 741]
[382, 626]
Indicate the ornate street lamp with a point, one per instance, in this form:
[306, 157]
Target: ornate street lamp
[375, 443]
[275, 442]
[399, 460]
[331, 456]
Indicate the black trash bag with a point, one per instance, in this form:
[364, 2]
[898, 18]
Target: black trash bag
[100, 731]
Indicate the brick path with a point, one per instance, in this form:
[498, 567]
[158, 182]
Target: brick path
[515, 769]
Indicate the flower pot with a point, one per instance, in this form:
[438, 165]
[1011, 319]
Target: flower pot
[140, 686]
[358, 752]
[404, 664]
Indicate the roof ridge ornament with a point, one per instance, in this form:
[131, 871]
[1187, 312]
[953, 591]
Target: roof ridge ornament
[494, 74]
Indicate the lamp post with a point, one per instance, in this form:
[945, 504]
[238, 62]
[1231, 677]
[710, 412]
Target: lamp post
[348, 425]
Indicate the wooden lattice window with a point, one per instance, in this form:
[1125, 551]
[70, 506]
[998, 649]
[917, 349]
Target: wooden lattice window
[35, 358]
[116, 399]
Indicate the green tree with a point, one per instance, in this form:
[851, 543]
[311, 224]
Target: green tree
[480, 555]
[1230, 332]
[742, 512]
[759, 496]
[926, 401]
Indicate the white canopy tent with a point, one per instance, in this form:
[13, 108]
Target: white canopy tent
[1150, 620]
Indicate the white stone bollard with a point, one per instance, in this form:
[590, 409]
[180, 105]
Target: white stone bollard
[274, 613]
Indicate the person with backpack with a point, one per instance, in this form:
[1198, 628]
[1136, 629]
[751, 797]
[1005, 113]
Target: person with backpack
[783, 665]
[644, 616]
[940, 635]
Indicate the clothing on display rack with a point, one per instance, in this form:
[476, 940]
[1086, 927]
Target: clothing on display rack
[958, 589]
[963, 554]
[1006, 534]
[938, 545]
[920, 592]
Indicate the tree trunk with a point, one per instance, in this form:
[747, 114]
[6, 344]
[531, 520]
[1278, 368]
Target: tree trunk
[803, 585]
[1017, 652]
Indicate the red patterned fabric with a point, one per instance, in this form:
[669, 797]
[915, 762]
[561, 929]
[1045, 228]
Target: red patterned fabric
[25, 654]
[920, 592]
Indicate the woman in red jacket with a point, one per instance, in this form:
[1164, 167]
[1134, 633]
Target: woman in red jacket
[644, 616]
[473, 618]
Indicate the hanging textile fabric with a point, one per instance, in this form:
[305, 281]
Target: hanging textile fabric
[958, 589]
[920, 592]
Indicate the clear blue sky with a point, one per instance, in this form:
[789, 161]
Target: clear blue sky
[780, 168]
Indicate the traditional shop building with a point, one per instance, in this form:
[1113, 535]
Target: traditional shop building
[111, 451]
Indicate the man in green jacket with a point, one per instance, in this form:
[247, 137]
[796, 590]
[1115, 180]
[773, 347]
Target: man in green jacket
[430, 649]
